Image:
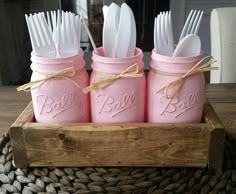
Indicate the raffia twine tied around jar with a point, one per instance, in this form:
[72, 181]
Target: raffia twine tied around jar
[203, 65]
[66, 73]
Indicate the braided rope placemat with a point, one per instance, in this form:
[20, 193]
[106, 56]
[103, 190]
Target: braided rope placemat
[134, 180]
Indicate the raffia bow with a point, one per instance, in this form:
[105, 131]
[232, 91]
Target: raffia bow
[197, 68]
[129, 72]
[66, 73]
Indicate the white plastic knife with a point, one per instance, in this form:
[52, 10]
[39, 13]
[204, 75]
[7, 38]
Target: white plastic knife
[104, 11]
[124, 34]
[110, 31]
[132, 44]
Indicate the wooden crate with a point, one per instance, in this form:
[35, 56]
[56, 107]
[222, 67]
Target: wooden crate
[131, 144]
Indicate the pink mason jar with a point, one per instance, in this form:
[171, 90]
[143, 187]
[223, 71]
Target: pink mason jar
[59, 97]
[173, 105]
[118, 95]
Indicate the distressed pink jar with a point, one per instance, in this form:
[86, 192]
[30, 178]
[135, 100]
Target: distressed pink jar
[61, 98]
[124, 99]
[184, 107]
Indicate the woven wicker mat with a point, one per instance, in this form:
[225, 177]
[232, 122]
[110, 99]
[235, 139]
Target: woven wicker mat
[116, 180]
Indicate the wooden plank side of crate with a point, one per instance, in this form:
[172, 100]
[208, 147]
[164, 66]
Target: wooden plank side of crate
[117, 145]
[216, 147]
[17, 137]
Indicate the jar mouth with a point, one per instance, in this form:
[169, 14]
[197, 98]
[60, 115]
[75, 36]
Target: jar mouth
[44, 60]
[116, 65]
[173, 64]
[175, 60]
[99, 57]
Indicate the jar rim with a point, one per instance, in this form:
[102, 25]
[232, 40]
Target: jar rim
[43, 60]
[176, 60]
[173, 64]
[51, 65]
[99, 57]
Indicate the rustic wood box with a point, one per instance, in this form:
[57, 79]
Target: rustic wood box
[129, 144]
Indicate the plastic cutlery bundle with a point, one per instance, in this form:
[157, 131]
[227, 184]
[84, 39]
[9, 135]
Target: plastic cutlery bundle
[189, 42]
[119, 31]
[55, 35]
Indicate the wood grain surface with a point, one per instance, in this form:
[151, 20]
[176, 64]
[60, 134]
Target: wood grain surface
[12, 103]
[117, 145]
[223, 99]
[17, 136]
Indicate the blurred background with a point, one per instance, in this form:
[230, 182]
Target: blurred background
[15, 44]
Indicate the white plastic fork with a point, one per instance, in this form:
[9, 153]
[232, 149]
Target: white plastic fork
[49, 22]
[164, 40]
[31, 33]
[192, 23]
[54, 25]
[155, 34]
[41, 38]
[67, 35]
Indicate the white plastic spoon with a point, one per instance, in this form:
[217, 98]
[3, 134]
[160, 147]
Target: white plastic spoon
[189, 46]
